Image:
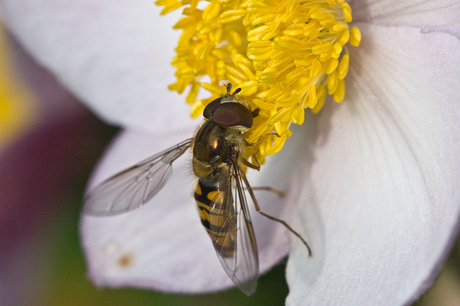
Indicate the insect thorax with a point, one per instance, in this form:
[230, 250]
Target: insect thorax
[212, 145]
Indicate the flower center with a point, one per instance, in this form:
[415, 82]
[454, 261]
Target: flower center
[286, 55]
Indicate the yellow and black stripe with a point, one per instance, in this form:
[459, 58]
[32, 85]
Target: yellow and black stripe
[216, 219]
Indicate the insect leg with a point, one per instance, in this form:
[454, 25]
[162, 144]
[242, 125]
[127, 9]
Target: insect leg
[247, 163]
[251, 192]
[280, 193]
[257, 167]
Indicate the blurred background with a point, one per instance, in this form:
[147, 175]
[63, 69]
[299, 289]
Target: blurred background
[49, 144]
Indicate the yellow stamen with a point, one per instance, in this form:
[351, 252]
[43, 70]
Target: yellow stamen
[286, 55]
[339, 93]
[355, 38]
[197, 108]
[343, 66]
[298, 116]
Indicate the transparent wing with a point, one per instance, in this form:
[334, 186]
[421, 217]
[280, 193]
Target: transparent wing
[234, 239]
[134, 186]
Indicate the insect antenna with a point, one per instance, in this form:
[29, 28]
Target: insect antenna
[238, 90]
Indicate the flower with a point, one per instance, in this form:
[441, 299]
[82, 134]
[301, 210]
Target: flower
[43, 133]
[372, 183]
[15, 99]
[281, 54]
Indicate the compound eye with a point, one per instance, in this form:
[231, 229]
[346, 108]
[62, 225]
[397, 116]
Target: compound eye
[209, 109]
[232, 114]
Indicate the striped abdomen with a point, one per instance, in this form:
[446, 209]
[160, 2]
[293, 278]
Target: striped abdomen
[217, 214]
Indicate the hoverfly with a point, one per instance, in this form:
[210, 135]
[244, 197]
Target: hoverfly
[218, 149]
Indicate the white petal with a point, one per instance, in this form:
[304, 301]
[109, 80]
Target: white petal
[439, 15]
[383, 200]
[163, 244]
[114, 55]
